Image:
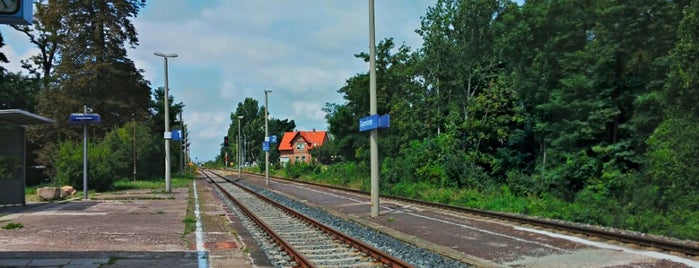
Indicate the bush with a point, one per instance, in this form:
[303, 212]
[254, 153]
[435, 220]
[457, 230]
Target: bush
[69, 166]
[295, 170]
[109, 159]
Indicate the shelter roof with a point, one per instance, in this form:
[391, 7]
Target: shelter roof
[22, 118]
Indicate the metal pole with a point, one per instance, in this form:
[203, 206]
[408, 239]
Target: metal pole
[167, 133]
[267, 138]
[85, 156]
[181, 146]
[240, 156]
[134, 148]
[166, 97]
[184, 146]
[374, 136]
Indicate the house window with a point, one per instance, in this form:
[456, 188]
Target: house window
[303, 158]
[300, 146]
[297, 159]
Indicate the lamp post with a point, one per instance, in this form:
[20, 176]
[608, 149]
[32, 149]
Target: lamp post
[267, 138]
[374, 135]
[181, 146]
[240, 157]
[133, 120]
[167, 133]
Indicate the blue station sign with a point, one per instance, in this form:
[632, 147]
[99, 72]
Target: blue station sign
[78, 118]
[177, 135]
[374, 121]
[265, 146]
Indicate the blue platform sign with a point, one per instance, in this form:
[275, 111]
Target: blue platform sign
[384, 121]
[265, 146]
[273, 139]
[374, 121]
[369, 122]
[177, 135]
[78, 118]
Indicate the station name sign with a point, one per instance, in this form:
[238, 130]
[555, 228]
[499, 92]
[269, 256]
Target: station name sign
[79, 118]
[374, 121]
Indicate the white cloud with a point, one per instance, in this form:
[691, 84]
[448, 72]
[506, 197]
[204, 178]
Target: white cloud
[229, 50]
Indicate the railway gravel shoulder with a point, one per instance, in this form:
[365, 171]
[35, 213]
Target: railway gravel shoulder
[408, 252]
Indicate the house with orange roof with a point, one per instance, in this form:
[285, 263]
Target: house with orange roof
[296, 146]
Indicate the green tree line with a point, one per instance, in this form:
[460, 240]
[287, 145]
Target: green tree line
[589, 104]
[252, 133]
[82, 61]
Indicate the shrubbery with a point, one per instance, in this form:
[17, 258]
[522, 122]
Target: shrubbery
[109, 159]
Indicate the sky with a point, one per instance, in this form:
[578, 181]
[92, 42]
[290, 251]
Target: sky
[229, 50]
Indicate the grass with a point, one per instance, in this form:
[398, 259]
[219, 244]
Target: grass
[156, 185]
[127, 184]
[13, 225]
[189, 220]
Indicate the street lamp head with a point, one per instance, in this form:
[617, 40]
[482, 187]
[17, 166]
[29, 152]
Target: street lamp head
[240, 117]
[268, 91]
[160, 54]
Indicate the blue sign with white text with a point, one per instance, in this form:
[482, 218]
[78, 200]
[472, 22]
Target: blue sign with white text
[78, 118]
[369, 122]
[374, 121]
[265, 146]
[273, 139]
[177, 135]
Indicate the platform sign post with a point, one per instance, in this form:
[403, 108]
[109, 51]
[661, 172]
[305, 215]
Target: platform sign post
[84, 119]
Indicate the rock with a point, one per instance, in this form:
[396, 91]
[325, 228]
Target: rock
[67, 191]
[49, 193]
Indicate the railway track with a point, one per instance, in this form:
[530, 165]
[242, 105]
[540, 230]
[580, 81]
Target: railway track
[659, 244]
[299, 241]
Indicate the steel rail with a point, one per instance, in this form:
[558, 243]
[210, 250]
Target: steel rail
[644, 241]
[299, 259]
[371, 251]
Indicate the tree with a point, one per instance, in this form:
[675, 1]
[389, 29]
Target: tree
[3, 58]
[43, 33]
[252, 130]
[673, 151]
[94, 69]
[18, 92]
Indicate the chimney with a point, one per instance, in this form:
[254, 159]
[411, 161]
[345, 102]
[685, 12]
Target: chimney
[314, 130]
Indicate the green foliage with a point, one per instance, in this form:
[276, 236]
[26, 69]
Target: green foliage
[12, 226]
[109, 159]
[672, 168]
[295, 170]
[252, 132]
[69, 164]
[175, 182]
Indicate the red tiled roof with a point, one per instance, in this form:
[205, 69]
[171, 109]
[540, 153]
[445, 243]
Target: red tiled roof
[285, 144]
[312, 138]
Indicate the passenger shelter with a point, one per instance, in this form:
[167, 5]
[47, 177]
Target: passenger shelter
[13, 140]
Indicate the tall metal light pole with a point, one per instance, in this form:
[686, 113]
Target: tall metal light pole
[374, 136]
[240, 156]
[85, 156]
[135, 156]
[167, 133]
[267, 138]
[181, 146]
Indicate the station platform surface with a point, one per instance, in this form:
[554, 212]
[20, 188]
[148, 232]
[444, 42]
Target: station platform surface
[132, 228]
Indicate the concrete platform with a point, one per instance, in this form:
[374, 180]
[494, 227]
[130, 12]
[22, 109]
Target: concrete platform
[137, 228]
